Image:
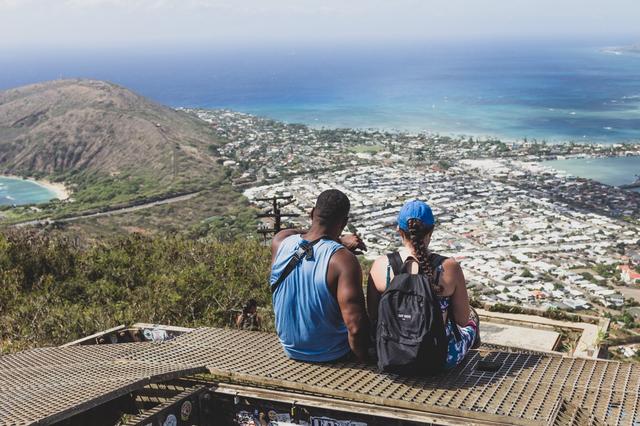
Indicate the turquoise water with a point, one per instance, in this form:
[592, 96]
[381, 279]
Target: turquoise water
[612, 171]
[18, 192]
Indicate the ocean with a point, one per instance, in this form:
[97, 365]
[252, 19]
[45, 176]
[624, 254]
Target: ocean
[612, 171]
[560, 91]
[18, 192]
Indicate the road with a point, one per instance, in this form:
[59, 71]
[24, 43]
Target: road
[170, 200]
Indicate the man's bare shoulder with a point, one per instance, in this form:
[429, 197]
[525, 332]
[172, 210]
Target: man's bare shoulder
[279, 238]
[344, 259]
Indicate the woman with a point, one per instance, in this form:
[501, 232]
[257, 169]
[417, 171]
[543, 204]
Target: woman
[415, 225]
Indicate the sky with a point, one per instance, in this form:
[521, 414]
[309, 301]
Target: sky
[80, 23]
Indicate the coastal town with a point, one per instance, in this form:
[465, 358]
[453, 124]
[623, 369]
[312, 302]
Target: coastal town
[525, 234]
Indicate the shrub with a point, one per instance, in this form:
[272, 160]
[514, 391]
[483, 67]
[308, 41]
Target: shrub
[54, 290]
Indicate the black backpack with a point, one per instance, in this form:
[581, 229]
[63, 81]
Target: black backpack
[410, 333]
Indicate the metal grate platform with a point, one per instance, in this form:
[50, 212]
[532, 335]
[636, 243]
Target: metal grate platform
[46, 385]
[529, 388]
[50, 384]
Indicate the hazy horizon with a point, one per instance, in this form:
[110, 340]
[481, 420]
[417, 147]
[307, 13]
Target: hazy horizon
[120, 23]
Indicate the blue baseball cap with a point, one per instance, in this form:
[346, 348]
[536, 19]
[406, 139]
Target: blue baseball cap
[415, 209]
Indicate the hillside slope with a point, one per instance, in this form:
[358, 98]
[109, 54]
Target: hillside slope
[108, 143]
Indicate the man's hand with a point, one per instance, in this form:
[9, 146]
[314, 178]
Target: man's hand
[353, 242]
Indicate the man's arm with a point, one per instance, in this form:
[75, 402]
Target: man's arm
[351, 301]
[353, 242]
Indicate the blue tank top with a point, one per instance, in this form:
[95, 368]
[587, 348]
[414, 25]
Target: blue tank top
[308, 318]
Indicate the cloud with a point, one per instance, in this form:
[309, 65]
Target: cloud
[122, 4]
[14, 4]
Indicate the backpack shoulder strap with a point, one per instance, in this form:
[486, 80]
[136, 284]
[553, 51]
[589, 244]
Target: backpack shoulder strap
[395, 261]
[304, 251]
[437, 260]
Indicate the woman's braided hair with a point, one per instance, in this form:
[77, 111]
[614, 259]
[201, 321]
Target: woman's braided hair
[417, 233]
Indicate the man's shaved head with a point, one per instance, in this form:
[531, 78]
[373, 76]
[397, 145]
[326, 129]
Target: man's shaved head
[332, 208]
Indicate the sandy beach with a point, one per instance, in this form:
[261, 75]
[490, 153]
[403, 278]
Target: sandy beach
[58, 188]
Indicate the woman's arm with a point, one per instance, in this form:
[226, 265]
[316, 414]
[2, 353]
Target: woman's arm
[376, 284]
[452, 277]
[373, 298]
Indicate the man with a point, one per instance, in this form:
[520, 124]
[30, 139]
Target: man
[319, 306]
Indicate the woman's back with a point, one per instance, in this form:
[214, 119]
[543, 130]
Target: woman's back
[461, 331]
[451, 279]
[416, 224]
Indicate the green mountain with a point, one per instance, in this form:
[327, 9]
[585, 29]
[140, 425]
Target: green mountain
[108, 143]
